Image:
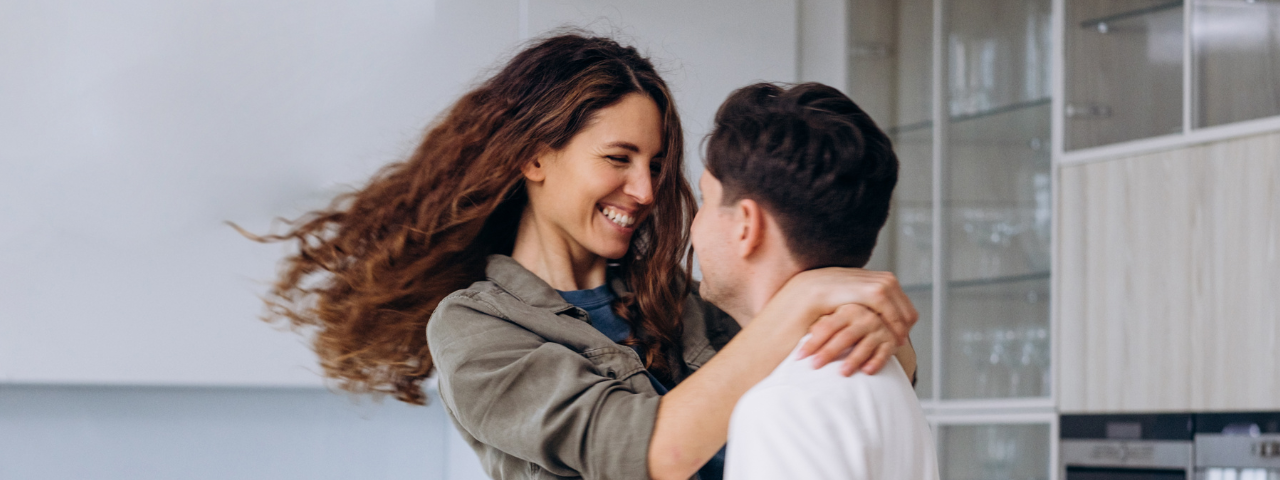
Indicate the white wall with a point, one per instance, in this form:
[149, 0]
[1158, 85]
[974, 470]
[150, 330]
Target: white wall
[132, 131]
[824, 42]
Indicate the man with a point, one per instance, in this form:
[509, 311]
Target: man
[798, 179]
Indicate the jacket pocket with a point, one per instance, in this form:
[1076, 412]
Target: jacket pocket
[614, 363]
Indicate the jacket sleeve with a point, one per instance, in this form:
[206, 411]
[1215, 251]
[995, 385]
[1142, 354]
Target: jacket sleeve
[537, 400]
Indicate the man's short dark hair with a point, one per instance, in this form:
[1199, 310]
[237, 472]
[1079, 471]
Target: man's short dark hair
[814, 160]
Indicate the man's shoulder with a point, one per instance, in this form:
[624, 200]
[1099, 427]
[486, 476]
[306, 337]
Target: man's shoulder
[805, 423]
[860, 406]
[799, 381]
[818, 424]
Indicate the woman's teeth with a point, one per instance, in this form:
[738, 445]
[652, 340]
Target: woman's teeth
[615, 216]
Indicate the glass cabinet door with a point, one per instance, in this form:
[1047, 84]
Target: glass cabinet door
[994, 451]
[994, 325]
[1123, 70]
[969, 231]
[996, 333]
[1236, 53]
[890, 52]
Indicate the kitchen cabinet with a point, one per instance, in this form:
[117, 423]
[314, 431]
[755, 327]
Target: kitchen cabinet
[1170, 280]
[1123, 69]
[1236, 58]
[994, 451]
[1166, 69]
[889, 71]
[963, 87]
[984, 158]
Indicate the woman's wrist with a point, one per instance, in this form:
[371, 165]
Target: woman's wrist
[801, 300]
[787, 311]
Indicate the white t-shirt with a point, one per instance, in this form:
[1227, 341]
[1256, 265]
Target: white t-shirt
[802, 423]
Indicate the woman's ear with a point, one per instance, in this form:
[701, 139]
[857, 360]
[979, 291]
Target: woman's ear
[535, 170]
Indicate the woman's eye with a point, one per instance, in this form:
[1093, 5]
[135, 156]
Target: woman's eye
[619, 158]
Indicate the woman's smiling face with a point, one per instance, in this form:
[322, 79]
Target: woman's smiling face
[595, 191]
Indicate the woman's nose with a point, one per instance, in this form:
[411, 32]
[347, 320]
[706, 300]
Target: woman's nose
[640, 186]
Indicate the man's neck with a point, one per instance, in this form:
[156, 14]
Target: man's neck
[763, 281]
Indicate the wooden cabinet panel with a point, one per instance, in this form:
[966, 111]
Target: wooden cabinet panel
[1169, 287]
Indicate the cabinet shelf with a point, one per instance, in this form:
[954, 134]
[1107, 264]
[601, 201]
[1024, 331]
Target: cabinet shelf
[980, 282]
[1100, 24]
[1011, 108]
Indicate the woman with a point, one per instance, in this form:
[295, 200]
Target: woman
[537, 235]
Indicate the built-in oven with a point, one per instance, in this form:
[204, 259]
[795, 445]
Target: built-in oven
[1238, 446]
[1127, 447]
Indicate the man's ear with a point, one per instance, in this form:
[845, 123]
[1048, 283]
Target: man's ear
[749, 231]
[535, 170]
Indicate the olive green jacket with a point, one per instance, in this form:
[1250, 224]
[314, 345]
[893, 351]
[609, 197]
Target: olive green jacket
[541, 394]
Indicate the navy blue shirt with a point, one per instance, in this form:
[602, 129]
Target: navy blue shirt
[598, 302]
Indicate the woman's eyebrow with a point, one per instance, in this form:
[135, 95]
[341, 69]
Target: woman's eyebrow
[623, 145]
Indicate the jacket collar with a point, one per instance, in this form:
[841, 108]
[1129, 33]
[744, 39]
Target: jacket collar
[512, 277]
[518, 281]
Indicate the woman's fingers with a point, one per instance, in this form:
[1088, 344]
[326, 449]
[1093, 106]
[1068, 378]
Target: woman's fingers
[859, 322]
[878, 291]
[910, 315]
[822, 331]
[898, 314]
[880, 358]
[866, 351]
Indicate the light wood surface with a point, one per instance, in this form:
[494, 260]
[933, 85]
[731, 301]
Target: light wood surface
[1169, 292]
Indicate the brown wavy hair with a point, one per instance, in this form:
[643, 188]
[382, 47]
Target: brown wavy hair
[371, 268]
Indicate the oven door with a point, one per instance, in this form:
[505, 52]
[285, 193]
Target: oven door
[1229, 457]
[1127, 460]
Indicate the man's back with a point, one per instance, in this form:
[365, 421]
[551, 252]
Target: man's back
[816, 424]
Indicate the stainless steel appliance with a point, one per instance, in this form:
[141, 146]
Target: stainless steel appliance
[1128, 447]
[1237, 446]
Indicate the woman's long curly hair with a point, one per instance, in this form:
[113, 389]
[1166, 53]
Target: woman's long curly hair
[370, 269]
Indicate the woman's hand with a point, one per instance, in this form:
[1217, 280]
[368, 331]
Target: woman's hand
[854, 325]
[874, 319]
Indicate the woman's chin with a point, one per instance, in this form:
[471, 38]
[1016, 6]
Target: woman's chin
[612, 252]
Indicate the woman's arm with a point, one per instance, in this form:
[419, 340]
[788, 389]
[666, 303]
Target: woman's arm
[693, 419]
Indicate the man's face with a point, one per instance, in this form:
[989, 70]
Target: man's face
[713, 232]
